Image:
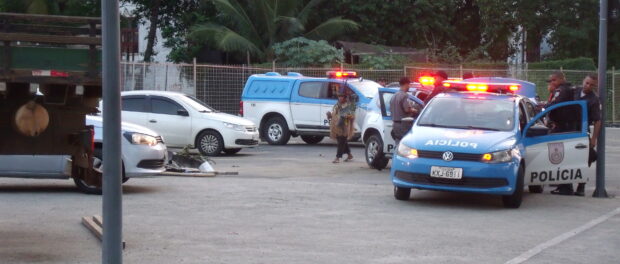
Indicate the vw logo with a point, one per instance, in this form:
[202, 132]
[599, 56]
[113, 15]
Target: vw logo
[447, 156]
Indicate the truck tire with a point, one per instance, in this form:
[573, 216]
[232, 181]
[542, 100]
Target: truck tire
[375, 158]
[210, 143]
[275, 131]
[514, 200]
[402, 194]
[312, 139]
[97, 165]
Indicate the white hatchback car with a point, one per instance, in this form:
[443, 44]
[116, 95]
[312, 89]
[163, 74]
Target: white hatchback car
[184, 120]
[143, 155]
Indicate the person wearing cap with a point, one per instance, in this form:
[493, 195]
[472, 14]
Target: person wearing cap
[440, 76]
[341, 125]
[401, 108]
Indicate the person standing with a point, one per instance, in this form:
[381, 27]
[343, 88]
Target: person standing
[401, 108]
[562, 91]
[440, 76]
[341, 127]
[586, 92]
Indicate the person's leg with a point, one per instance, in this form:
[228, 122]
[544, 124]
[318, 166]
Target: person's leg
[340, 149]
[581, 188]
[347, 150]
[563, 189]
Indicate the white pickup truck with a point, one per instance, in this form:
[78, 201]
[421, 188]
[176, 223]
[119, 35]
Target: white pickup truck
[296, 105]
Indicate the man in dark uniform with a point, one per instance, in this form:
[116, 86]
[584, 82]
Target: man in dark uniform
[586, 92]
[440, 76]
[400, 108]
[563, 119]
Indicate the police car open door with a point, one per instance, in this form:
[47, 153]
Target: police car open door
[560, 154]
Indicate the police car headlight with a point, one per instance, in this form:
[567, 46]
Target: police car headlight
[234, 126]
[498, 156]
[405, 151]
[141, 139]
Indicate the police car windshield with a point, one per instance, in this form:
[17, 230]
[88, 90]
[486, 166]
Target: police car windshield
[200, 106]
[469, 113]
[368, 88]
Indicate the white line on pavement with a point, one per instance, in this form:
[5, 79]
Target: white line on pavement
[559, 239]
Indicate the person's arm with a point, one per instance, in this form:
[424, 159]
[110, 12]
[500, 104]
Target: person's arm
[597, 131]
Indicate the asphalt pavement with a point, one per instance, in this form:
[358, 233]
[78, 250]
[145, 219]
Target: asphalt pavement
[290, 204]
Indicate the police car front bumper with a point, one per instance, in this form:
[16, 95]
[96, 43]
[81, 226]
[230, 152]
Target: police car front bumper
[477, 177]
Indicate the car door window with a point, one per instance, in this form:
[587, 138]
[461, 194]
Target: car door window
[331, 91]
[163, 106]
[522, 117]
[310, 89]
[385, 100]
[134, 104]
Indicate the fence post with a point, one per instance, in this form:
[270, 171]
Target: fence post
[133, 76]
[404, 70]
[526, 72]
[166, 80]
[195, 85]
[613, 95]
[143, 74]
[461, 70]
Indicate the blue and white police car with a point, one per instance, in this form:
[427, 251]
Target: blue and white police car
[484, 138]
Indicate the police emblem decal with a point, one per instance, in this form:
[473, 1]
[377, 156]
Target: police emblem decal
[447, 156]
[556, 152]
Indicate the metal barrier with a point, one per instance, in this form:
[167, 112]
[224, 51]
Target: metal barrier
[220, 86]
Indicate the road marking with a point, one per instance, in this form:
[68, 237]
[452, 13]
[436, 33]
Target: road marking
[559, 239]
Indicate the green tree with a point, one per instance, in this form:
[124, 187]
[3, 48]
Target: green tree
[253, 27]
[54, 7]
[305, 52]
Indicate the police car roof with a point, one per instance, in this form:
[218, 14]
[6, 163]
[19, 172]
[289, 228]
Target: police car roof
[527, 89]
[297, 76]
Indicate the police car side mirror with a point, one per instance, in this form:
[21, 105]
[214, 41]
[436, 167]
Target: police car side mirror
[537, 130]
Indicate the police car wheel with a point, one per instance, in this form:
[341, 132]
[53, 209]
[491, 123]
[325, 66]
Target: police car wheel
[375, 158]
[210, 143]
[536, 188]
[312, 139]
[275, 131]
[402, 194]
[514, 200]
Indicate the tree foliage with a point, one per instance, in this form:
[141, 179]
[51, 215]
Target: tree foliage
[253, 27]
[304, 52]
[53, 7]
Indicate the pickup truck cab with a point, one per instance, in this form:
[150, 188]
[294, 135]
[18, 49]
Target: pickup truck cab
[296, 105]
[377, 127]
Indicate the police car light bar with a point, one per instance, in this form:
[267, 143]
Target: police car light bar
[426, 80]
[341, 74]
[482, 87]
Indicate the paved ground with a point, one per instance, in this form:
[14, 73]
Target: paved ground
[289, 204]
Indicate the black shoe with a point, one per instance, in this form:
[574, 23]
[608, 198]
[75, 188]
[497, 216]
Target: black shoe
[561, 191]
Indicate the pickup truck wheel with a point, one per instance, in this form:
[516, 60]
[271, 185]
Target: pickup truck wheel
[232, 151]
[276, 131]
[210, 143]
[375, 158]
[402, 194]
[514, 200]
[312, 139]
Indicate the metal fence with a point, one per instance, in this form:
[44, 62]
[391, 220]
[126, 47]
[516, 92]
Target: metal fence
[221, 86]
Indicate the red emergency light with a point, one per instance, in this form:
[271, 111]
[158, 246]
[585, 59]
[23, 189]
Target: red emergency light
[482, 87]
[427, 80]
[341, 74]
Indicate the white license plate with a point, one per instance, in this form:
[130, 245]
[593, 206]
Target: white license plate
[446, 172]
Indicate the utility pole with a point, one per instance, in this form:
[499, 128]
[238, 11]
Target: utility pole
[112, 193]
[600, 191]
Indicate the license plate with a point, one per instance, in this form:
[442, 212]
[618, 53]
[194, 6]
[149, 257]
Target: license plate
[446, 172]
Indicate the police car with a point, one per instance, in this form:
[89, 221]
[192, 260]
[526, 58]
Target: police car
[296, 105]
[485, 139]
[377, 128]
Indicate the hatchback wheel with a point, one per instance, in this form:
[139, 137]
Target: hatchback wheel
[210, 143]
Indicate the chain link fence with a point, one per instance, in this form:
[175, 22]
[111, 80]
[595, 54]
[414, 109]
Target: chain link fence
[220, 86]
